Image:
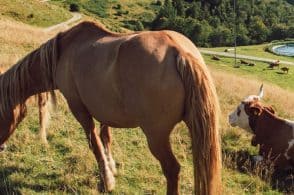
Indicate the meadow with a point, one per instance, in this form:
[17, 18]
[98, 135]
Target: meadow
[254, 50]
[67, 166]
[33, 12]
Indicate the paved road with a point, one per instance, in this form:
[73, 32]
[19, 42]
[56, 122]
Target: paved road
[239, 56]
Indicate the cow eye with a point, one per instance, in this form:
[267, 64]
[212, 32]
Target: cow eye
[238, 111]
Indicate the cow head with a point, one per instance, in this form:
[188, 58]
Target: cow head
[249, 109]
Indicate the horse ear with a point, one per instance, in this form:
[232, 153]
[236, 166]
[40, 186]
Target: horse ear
[270, 109]
[260, 95]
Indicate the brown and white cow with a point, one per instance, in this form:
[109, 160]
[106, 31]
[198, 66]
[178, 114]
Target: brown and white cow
[274, 134]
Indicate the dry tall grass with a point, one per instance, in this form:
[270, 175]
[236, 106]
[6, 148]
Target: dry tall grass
[17, 39]
[232, 89]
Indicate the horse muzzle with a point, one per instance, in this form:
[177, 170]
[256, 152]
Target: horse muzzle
[2, 147]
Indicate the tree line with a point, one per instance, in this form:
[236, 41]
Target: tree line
[212, 22]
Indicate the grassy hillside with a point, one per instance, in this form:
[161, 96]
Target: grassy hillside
[33, 12]
[120, 16]
[67, 165]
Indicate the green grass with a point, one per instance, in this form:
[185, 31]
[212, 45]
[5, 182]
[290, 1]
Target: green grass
[33, 12]
[255, 50]
[119, 16]
[67, 166]
[259, 71]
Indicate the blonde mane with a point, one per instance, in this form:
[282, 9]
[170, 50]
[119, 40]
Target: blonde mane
[15, 82]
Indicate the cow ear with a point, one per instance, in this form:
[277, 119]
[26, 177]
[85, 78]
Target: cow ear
[270, 109]
[255, 111]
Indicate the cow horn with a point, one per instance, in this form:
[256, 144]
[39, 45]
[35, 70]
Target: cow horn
[260, 91]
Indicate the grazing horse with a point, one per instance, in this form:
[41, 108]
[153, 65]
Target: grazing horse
[45, 101]
[151, 80]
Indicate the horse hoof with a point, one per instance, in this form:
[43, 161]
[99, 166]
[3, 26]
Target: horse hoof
[110, 182]
[107, 184]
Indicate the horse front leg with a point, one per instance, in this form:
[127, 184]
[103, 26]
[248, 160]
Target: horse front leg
[44, 115]
[95, 144]
[105, 134]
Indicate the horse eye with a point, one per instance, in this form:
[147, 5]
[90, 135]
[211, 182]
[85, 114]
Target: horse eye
[238, 111]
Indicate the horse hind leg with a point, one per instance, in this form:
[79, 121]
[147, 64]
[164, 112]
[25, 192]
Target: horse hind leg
[105, 134]
[95, 144]
[44, 115]
[160, 147]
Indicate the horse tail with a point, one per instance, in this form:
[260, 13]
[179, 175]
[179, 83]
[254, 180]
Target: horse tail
[201, 117]
[53, 100]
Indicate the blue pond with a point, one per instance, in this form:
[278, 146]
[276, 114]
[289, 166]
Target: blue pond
[286, 50]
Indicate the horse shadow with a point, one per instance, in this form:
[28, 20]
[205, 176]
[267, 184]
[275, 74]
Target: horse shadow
[11, 186]
[244, 162]
[6, 185]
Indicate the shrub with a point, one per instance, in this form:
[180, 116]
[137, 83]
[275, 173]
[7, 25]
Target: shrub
[30, 16]
[74, 7]
[118, 6]
[158, 2]
[134, 25]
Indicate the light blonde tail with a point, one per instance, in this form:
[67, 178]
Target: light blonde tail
[53, 100]
[201, 117]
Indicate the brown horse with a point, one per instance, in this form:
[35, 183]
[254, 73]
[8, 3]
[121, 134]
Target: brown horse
[45, 101]
[151, 80]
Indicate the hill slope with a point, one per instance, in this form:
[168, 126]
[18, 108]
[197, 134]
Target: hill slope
[68, 166]
[33, 12]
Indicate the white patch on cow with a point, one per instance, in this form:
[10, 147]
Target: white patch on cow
[240, 118]
[251, 98]
[291, 142]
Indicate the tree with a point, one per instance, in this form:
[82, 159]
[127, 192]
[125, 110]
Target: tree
[279, 31]
[179, 7]
[257, 30]
[221, 36]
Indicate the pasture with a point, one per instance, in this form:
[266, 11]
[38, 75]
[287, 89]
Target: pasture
[254, 50]
[67, 165]
[260, 71]
[33, 12]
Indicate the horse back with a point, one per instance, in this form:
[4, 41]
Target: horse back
[127, 80]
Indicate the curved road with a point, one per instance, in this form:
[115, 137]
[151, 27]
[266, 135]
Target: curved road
[75, 17]
[239, 56]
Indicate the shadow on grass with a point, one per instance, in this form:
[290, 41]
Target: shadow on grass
[10, 186]
[282, 73]
[242, 161]
[6, 186]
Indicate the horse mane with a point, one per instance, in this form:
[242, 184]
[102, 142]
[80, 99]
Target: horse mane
[15, 82]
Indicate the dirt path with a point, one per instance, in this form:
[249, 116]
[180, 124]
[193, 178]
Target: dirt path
[239, 56]
[75, 17]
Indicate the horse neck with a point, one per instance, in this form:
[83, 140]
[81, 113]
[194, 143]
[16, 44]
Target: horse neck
[32, 75]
